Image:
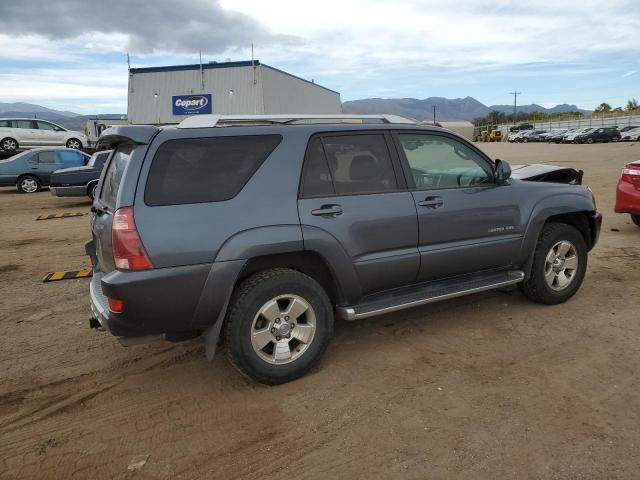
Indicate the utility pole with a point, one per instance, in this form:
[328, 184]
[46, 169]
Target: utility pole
[515, 94]
[434, 115]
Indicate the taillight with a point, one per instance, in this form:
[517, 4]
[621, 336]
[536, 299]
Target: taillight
[128, 251]
[115, 305]
[631, 173]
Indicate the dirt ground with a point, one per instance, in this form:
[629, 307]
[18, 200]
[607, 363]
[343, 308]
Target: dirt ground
[486, 386]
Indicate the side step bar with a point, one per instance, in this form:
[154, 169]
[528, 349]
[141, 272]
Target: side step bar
[429, 293]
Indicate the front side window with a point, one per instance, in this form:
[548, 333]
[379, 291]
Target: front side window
[199, 170]
[70, 158]
[45, 126]
[442, 162]
[113, 176]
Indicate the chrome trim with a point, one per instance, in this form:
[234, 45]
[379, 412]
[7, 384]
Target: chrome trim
[350, 314]
[73, 191]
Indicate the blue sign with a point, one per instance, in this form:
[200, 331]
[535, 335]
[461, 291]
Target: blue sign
[195, 104]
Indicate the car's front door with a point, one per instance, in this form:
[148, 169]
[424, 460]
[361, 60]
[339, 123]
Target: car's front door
[467, 221]
[354, 191]
[49, 134]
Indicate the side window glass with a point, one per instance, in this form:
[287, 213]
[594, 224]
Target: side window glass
[47, 158]
[23, 124]
[317, 178]
[441, 162]
[359, 164]
[45, 126]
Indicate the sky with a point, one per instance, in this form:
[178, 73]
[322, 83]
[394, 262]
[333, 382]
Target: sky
[71, 54]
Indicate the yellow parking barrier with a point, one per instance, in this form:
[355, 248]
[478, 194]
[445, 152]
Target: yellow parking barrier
[70, 275]
[51, 216]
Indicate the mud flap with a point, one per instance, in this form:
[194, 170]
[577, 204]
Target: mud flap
[211, 336]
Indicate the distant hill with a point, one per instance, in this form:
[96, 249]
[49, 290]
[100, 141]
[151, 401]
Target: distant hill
[70, 120]
[466, 108]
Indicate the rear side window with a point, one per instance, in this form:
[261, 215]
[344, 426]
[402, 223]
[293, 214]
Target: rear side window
[199, 170]
[358, 164]
[113, 176]
[5, 123]
[24, 124]
[47, 157]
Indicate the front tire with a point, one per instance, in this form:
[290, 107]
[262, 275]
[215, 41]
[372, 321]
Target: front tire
[635, 219]
[74, 143]
[559, 265]
[279, 326]
[28, 184]
[9, 144]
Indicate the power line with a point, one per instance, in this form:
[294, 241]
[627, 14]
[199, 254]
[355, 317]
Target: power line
[515, 103]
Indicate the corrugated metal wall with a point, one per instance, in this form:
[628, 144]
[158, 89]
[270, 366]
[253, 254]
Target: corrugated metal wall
[234, 90]
[284, 93]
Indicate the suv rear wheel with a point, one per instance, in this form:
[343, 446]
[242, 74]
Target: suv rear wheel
[559, 265]
[635, 219]
[279, 326]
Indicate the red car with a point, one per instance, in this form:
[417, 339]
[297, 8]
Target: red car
[628, 191]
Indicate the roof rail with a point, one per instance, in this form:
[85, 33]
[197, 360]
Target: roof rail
[208, 121]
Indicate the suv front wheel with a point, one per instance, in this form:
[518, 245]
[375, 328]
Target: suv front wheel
[559, 265]
[279, 326]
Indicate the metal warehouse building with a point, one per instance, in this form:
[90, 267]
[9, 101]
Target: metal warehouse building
[165, 95]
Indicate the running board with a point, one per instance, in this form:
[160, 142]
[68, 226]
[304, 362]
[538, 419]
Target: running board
[415, 296]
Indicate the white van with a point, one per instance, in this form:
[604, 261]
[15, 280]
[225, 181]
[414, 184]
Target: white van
[22, 133]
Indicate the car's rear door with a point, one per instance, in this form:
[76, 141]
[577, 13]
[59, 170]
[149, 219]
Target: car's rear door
[27, 131]
[467, 222]
[105, 204]
[353, 190]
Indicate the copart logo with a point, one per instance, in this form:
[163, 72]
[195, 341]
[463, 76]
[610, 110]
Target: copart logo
[194, 103]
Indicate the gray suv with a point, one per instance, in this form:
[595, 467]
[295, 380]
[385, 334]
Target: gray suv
[260, 230]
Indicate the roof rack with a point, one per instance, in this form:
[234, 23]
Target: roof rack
[208, 121]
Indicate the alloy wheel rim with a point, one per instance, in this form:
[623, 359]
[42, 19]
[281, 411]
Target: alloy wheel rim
[9, 145]
[29, 185]
[283, 329]
[74, 144]
[561, 265]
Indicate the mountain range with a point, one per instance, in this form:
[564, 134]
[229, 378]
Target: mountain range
[466, 108]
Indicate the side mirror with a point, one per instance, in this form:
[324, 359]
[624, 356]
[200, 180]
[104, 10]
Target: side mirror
[503, 171]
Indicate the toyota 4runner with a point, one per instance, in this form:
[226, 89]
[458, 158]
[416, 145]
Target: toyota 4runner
[265, 228]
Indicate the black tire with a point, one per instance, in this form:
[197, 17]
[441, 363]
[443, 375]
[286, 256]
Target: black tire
[589, 140]
[248, 299]
[615, 139]
[91, 191]
[535, 287]
[635, 219]
[9, 144]
[28, 184]
[74, 143]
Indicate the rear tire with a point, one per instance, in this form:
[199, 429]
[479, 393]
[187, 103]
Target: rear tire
[28, 184]
[556, 275]
[9, 144]
[589, 140]
[635, 219]
[260, 339]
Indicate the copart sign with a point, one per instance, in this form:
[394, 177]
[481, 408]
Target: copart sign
[192, 104]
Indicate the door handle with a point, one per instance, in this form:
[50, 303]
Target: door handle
[327, 210]
[431, 202]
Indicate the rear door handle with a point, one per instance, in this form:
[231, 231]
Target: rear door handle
[327, 210]
[432, 202]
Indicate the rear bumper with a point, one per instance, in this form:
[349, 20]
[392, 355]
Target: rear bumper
[165, 300]
[75, 191]
[627, 198]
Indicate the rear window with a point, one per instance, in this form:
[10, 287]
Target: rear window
[113, 176]
[199, 170]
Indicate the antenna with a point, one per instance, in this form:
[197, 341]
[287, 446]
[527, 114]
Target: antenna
[128, 62]
[253, 65]
[515, 94]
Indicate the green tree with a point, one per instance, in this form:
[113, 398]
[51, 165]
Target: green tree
[604, 107]
[632, 105]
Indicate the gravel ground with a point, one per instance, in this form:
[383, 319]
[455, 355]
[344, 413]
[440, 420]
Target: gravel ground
[486, 386]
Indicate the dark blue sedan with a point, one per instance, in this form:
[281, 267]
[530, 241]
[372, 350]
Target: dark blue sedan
[79, 181]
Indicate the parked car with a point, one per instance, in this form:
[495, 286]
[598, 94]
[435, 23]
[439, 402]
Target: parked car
[631, 135]
[530, 136]
[556, 136]
[79, 181]
[521, 127]
[627, 128]
[513, 137]
[22, 133]
[272, 225]
[571, 137]
[595, 135]
[31, 170]
[628, 191]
